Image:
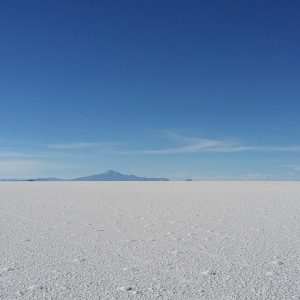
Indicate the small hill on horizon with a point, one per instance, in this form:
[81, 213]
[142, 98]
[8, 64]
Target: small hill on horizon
[107, 176]
[112, 175]
[45, 179]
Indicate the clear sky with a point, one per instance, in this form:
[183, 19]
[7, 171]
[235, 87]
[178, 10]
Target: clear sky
[201, 89]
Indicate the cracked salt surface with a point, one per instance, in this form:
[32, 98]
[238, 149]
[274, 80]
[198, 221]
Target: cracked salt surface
[151, 240]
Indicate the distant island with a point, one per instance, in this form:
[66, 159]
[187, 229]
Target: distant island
[107, 176]
[117, 176]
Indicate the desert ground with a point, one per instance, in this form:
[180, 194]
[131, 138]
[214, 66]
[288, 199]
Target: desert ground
[150, 240]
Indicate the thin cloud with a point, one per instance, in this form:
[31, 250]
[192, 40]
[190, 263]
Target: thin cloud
[283, 149]
[79, 145]
[292, 167]
[268, 176]
[72, 146]
[181, 144]
[21, 168]
[196, 145]
[18, 154]
[9, 154]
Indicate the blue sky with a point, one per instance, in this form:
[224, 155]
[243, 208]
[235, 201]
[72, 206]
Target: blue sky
[202, 89]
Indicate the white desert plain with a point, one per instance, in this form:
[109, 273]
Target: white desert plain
[150, 240]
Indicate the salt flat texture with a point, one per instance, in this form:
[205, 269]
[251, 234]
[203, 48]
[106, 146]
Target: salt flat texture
[150, 240]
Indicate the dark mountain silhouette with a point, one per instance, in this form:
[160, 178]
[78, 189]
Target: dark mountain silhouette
[107, 176]
[45, 179]
[117, 176]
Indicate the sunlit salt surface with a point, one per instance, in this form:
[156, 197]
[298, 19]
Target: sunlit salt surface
[150, 240]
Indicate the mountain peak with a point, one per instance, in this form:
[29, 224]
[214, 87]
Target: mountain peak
[112, 172]
[112, 175]
[109, 175]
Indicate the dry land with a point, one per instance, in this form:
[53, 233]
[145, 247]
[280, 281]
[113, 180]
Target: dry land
[150, 240]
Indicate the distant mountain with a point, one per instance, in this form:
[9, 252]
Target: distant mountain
[45, 179]
[117, 176]
[33, 179]
[107, 176]
[4, 180]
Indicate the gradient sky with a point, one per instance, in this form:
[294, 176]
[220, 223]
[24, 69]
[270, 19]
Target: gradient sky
[201, 89]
